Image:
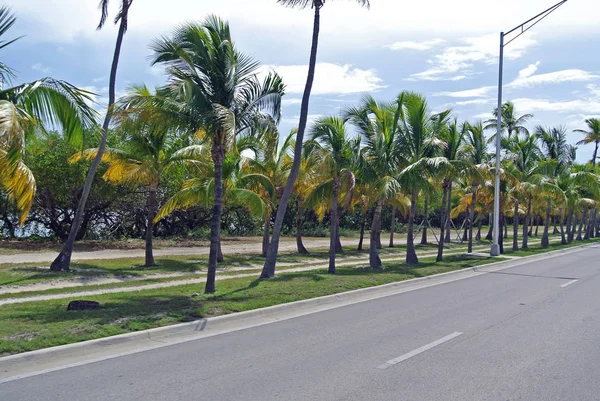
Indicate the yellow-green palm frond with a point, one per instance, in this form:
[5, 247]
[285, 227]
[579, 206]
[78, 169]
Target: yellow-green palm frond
[19, 183]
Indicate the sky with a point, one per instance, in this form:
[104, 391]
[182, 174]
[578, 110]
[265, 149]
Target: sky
[446, 50]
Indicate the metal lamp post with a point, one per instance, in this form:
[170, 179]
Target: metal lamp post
[495, 250]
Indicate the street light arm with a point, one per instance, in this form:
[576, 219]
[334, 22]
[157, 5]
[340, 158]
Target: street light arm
[538, 17]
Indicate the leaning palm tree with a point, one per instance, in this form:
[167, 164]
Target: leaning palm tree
[336, 154]
[511, 122]
[43, 104]
[592, 135]
[269, 267]
[63, 260]
[215, 89]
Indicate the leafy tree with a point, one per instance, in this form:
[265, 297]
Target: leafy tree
[269, 267]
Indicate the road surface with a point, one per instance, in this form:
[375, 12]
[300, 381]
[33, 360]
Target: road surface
[526, 333]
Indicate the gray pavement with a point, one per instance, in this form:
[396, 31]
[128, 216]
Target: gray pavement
[525, 333]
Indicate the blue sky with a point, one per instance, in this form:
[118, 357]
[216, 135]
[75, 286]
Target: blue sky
[446, 50]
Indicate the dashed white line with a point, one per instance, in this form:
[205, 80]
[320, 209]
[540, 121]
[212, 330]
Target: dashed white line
[418, 351]
[569, 283]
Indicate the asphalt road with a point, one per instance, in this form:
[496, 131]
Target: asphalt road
[526, 333]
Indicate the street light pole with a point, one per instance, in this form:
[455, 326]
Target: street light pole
[495, 250]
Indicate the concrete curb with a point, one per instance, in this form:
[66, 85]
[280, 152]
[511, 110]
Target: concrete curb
[32, 363]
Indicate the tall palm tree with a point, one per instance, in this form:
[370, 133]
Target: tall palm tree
[378, 125]
[215, 89]
[43, 104]
[336, 154]
[151, 147]
[269, 267]
[592, 135]
[512, 123]
[416, 142]
[63, 260]
[305, 182]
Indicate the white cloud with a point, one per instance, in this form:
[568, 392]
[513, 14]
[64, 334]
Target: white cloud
[329, 78]
[528, 105]
[478, 92]
[474, 101]
[420, 46]
[291, 101]
[529, 70]
[41, 68]
[483, 116]
[461, 59]
[99, 79]
[571, 75]
[295, 119]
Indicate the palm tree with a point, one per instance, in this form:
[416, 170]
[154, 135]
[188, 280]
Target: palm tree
[240, 187]
[478, 156]
[217, 90]
[511, 122]
[151, 147]
[591, 136]
[336, 155]
[269, 267]
[63, 260]
[305, 182]
[378, 124]
[451, 164]
[29, 107]
[416, 142]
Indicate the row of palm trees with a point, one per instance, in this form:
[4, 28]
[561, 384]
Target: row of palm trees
[217, 122]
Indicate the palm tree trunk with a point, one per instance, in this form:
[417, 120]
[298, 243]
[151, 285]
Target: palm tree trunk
[595, 155]
[269, 266]
[449, 209]
[301, 249]
[363, 218]
[597, 226]
[374, 260]
[537, 224]
[150, 225]
[526, 225]
[411, 255]
[581, 223]
[472, 219]
[443, 225]
[63, 260]
[555, 231]
[426, 221]
[338, 243]
[218, 155]
[593, 224]
[378, 234]
[392, 227]
[266, 230]
[515, 246]
[505, 225]
[545, 236]
[563, 239]
[334, 224]
[490, 235]
[220, 257]
[479, 225]
[570, 224]
[465, 236]
[589, 225]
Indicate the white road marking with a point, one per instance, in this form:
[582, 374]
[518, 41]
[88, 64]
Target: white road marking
[569, 283]
[418, 351]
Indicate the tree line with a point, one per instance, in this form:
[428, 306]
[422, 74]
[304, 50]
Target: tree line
[208, 140]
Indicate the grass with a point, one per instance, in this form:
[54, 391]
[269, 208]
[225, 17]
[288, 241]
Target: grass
[34, 325]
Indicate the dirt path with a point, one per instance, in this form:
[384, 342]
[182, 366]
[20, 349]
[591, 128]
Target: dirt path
[286, 245]
[288, 269]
